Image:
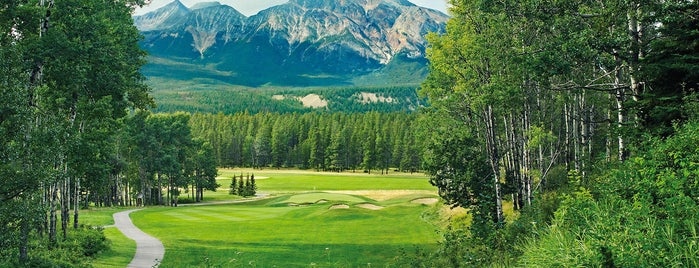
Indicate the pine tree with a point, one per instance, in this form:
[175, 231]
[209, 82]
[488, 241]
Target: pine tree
[234, 185]
[241, 186]
[246, 187]
[252, 186]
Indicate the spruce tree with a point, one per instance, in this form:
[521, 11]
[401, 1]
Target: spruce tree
[241, 186]
[246, 188]
[253, 186]
[234, 185]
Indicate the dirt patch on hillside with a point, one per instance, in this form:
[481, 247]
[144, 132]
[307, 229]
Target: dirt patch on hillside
[366, 97]
[313, 101]
[340, 206]
[425, 201]
[382, 195]
[369, 206]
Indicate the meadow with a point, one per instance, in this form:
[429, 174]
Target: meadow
[304, 219]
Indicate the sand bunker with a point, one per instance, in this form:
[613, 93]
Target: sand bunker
[369, 206]
[340, 206]
[425, 201]
[383, 195]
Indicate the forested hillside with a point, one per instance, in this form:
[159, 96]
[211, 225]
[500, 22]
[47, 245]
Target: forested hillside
[200, 97]
[371, 142]
[569, 131]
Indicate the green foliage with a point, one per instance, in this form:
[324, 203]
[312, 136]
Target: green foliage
[89, 240]
[241, 186]
[234, 186]
[321, 141]
[459, 170]
[74, 251]
[672, 69]
[205, 98]
[161, 153]
[585, 112]
[244, 187]
[643, 214]
[69, 71]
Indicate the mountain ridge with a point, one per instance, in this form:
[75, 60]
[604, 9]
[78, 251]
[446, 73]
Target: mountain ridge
[293, 43]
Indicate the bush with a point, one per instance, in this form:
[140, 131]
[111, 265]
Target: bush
[74, 251]
[645, 214]
[88, 240]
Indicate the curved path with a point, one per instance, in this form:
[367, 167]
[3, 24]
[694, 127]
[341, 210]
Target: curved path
[149, 250]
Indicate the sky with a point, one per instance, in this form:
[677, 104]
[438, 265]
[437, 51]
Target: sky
[251, 7]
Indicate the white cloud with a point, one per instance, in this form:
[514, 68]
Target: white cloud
[251, 7]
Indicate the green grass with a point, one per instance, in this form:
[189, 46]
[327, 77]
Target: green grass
[312, 198]
[294, 227]
[300, 180]
[282, 236]
[121, 250]
[272, 181]
[99, 216]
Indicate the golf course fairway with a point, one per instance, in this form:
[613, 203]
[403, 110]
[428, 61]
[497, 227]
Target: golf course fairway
[349, 220]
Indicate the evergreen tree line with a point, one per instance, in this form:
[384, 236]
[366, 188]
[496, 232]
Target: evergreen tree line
[243, 186]
[254, 100]
[577, 114]
[322, 141]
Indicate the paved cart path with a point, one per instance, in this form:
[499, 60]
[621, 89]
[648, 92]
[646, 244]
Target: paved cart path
[149, 250]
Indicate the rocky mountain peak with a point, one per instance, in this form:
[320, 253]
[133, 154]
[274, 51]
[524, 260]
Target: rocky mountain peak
[168, 15]
[322, 37]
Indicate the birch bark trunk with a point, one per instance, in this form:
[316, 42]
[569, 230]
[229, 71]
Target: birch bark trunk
[494, 160]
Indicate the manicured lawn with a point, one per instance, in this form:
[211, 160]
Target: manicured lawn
[297, 225]
[278, 235]
[271, 181]
[100, 216]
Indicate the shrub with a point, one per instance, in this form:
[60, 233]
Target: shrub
[645, 214]
[89, 240]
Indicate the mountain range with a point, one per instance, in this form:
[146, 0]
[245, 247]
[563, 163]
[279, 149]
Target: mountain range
[300, 43]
